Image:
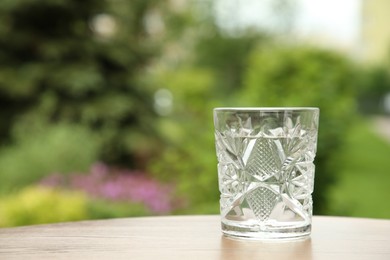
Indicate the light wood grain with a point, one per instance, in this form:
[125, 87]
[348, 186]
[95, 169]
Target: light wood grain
[191, 237]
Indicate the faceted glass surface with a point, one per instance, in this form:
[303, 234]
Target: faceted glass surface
[266, 170]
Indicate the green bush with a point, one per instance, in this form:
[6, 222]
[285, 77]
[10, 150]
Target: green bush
[39, 151]
[38, 205]
[35, 205]
[374, 84]
[187, 158]
[364, 174]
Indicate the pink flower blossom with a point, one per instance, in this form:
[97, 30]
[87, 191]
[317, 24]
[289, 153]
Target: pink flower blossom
[118, 185]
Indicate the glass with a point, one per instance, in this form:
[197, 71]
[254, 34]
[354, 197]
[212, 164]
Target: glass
[266, 170]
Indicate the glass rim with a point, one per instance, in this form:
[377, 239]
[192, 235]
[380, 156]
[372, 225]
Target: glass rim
[266, 109]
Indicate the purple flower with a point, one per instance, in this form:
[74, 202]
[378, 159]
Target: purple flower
[118, 185]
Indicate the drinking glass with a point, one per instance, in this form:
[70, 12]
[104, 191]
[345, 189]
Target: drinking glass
[266, 170]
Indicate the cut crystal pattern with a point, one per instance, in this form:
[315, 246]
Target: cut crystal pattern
[262, 201]
[262, 161]
[266, 172]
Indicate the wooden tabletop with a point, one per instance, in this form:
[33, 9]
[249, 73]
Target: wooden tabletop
[191, 237]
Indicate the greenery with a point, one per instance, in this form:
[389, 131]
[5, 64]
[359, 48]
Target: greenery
[62, 148]
[78, 62]
[374, 84]
[117, 185]
[132, 84]
[100, 209]
[34, 205]
[38, 205]
[102, 192]
[364, 174]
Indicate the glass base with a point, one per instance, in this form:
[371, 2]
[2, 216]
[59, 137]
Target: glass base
[258, 233]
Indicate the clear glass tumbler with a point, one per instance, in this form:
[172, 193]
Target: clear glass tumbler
[265, 170]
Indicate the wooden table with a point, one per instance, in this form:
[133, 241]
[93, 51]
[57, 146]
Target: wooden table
[191, 237]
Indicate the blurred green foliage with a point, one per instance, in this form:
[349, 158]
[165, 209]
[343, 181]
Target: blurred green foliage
[79, 83]
[374, 84]
[39, 204]
[100, 209]
[78, 62]
[226, 56]
[188, 156]
[42, 150]
[35, 205]
[364, 174]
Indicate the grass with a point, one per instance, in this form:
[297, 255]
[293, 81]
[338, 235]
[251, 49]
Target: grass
[363, 187]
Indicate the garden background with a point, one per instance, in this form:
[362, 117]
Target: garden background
[106, 108]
